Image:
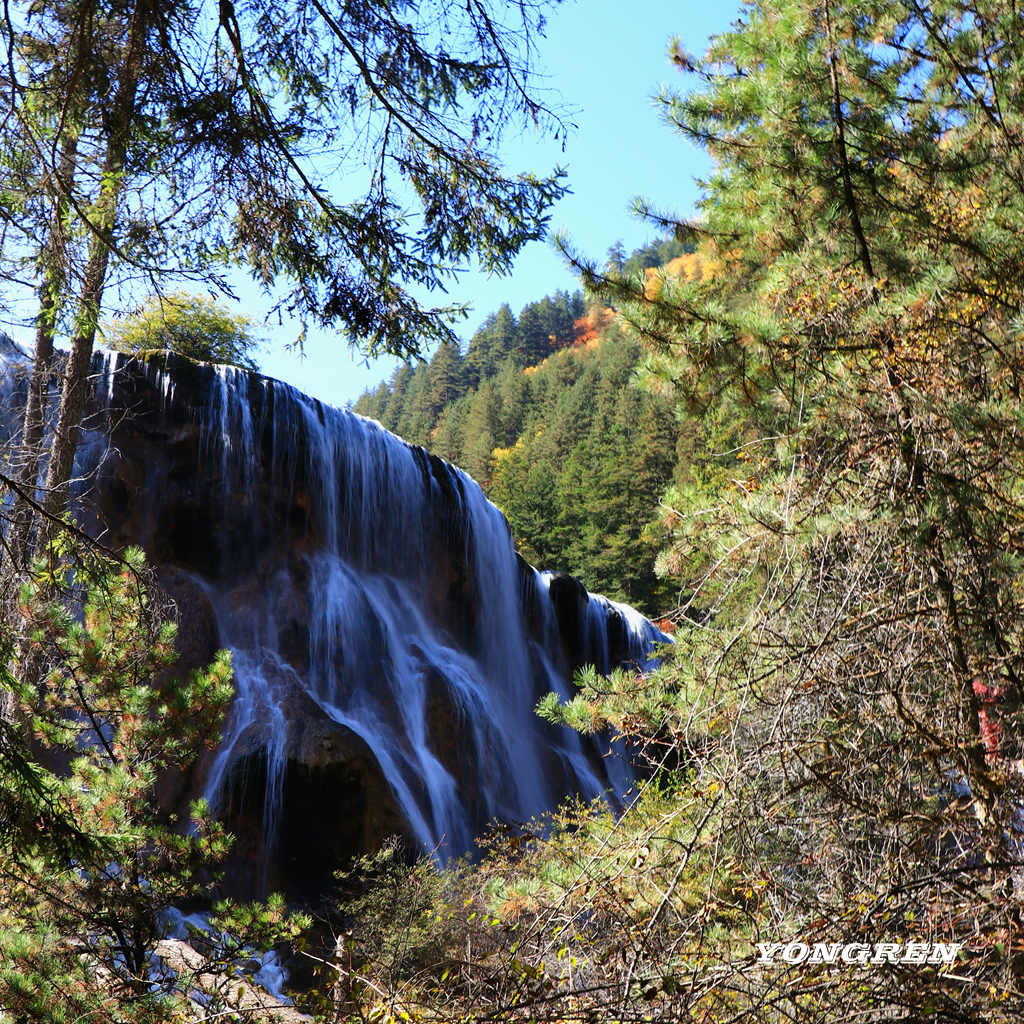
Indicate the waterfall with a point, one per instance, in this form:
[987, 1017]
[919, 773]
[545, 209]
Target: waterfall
[371, 597]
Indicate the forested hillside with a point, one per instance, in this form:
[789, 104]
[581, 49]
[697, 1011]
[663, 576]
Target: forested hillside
[543, 410]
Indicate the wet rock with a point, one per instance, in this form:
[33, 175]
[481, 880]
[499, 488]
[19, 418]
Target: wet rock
[570, 599]
[192, 972]
[389, 644]
[333, 803]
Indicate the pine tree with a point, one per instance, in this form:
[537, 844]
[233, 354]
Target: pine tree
[446, 377]
[80, 908]
[513, 388]
[482, 424]
[533, 340]
[490, 345]
[561, 325]
[417, 419]
[450, 435]
[856, 542]
[374, 403]
[400, 381]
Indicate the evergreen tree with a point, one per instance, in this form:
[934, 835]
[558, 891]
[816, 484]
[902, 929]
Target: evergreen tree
[450, 436]
[446, 377]
[504, 337]
[523, 487]
[513, 388]
[80, 918]
[616, 258]
[858, 540]
[574, 407]
[374, 403]
[479, 358]
[400, 381]
[559, 319]
[492, 343]
[533, 341]
[481, 431]
[417, 420]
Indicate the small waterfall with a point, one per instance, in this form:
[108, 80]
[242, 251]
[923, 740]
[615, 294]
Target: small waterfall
[370, 594]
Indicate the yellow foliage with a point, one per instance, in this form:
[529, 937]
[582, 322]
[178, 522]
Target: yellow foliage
[500, 454]
[694, 267]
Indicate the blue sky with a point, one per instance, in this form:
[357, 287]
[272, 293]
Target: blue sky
[607, 60]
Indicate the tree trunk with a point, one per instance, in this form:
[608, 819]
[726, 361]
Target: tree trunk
[975, 763]
[54, 271]
[76, 373]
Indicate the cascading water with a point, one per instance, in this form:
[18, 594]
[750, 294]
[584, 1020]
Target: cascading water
[366, 589]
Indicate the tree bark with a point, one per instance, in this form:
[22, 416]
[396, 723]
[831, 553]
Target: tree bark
[75, 382]
[54, 272]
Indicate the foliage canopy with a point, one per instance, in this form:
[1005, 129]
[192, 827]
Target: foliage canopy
[190, 325]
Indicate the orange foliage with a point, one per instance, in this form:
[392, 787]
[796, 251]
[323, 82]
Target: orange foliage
[586, 335]
[588, 329]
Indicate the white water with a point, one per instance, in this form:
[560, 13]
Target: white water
[265, 966]
[374, 637]
[385, 526]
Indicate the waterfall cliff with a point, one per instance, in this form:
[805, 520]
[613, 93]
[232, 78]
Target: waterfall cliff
[389, 644]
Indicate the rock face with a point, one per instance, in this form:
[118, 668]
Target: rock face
[389, 645]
